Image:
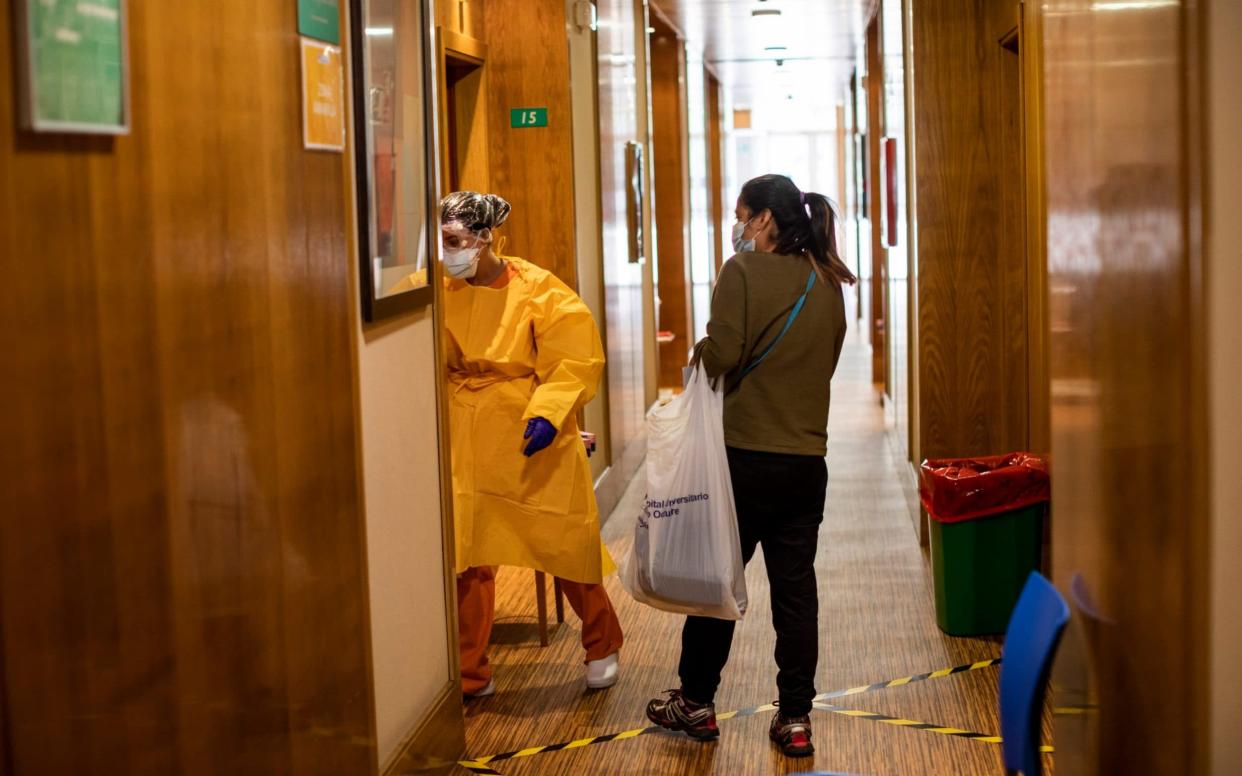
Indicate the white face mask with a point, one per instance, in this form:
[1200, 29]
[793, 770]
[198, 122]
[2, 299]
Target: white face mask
[740, 245]
[462, 263]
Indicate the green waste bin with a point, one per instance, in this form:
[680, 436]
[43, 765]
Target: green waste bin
[987, 533]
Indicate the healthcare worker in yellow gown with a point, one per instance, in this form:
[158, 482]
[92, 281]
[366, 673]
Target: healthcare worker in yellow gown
[524, 355]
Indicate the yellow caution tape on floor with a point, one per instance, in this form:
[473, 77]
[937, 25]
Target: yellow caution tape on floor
[915, 725]
[482, 764]
[909, 679]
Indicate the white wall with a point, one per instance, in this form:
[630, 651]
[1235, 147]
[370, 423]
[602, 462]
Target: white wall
[1224, 287]
[400, 459]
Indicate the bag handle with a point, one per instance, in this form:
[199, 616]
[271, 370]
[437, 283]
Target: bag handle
[793, 315]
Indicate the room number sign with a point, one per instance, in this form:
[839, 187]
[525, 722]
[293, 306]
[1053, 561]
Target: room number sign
[525, 118]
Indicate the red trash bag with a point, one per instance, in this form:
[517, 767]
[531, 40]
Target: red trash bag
[957, 489]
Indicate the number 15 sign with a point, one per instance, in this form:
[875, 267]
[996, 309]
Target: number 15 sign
[525, 118]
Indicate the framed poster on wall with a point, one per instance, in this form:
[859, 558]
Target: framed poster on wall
[73, 66]
[323, 97]
[398, 232]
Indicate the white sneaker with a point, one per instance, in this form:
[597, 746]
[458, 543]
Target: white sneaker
[485, 691]
[603, 672]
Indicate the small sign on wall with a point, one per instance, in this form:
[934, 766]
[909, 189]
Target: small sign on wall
[320, 19]
[323, 97]
[73, 66]
[525, 118]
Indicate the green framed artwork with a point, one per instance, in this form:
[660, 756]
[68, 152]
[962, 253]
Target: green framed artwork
[74, 68]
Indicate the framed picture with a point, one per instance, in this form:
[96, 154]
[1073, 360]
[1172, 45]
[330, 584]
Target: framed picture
[73, 63]
[323, 97]
[397, 218]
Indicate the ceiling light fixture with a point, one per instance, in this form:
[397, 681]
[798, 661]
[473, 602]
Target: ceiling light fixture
[1131, 5]
[766, 12]
[775, 48]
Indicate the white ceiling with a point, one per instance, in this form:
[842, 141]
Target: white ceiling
[818, 39]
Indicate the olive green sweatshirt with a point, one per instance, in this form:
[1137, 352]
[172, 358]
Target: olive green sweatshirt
[782, 405]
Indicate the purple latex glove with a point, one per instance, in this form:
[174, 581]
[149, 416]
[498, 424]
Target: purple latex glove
[540, 432]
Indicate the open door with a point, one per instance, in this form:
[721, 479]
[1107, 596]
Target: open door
[463, 111]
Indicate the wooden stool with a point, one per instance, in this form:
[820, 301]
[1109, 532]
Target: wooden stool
[541, 582]
[541, 604]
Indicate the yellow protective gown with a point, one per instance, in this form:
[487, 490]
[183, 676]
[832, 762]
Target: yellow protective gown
[528, 350]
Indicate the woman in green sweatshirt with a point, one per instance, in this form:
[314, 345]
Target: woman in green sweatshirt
[775, 335]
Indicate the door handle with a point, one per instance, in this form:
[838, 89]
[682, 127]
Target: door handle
[634, 194]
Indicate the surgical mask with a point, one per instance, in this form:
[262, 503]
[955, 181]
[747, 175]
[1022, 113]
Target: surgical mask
[740, 245]
[462, 263]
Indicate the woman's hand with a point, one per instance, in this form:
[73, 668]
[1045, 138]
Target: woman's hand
[540, 432]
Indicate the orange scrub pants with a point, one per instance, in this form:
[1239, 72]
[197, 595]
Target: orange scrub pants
[476, 610]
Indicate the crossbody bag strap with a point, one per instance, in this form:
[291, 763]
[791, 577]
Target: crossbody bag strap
[793, 315]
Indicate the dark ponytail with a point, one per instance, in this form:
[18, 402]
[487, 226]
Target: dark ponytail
[813, 234]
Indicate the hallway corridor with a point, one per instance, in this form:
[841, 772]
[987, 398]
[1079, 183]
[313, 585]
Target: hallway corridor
[876, 618]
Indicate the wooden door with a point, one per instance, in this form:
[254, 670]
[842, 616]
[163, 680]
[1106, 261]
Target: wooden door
[668, 106]
[1123, 116]
[183, 584]
[873, 84]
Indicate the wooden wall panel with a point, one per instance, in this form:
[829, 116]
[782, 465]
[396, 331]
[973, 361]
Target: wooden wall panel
[464, 17]
[1128, 438]
[1221, 157]
[672, 214]
[182, 580]
[1005, 126]
[528, 67]
[1032, 63]
[972, 293]
[873, 85]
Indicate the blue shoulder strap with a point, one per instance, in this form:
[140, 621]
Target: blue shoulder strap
[793, 315]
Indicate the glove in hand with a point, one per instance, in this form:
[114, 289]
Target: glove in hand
[540, 432]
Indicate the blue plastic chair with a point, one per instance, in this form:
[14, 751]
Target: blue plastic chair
[1031, 640]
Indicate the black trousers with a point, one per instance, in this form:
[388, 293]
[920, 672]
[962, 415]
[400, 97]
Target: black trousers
[780, 505]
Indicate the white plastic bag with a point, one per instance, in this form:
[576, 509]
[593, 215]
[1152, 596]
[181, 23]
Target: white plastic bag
[687, 557]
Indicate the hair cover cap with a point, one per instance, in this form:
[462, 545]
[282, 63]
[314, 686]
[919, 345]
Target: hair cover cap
[474, 210]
